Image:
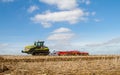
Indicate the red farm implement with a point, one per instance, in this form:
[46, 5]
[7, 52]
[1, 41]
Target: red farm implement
[73, 52]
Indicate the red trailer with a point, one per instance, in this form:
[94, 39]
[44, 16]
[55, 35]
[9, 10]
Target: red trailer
[72, 52]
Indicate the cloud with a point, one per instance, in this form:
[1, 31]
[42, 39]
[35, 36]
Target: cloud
[2, 45]
[61, 34]
[11, 48]
[61, 38]
[62, 30]
[112, 42]
[32, 8]
[5, 48]
[62, 4]
[115, 41]
[59, 45]
[72, 17]
[97, 20]
[68, 12]
[105, 48]
[93, 13]
[87, 2]
[6, 0]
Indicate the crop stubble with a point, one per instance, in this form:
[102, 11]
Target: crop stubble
[60, 65]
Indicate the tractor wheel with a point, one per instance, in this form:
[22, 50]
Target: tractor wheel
[34, 53]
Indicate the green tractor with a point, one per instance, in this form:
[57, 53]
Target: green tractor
[37, 49]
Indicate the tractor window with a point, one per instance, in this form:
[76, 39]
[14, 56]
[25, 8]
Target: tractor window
[35, 43]
[40, 44]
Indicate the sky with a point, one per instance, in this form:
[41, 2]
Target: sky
[84, 25]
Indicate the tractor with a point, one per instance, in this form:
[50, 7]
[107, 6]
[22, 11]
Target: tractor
[37, 49]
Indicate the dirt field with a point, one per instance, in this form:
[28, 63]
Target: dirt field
[59, 65]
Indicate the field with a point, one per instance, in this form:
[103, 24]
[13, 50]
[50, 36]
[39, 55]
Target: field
[60, 65]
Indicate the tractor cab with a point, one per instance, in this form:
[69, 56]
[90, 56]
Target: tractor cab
[39, 43]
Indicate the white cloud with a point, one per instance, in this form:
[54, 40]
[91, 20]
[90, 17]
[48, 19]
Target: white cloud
[62, 4]
[2, 45]
[69, 12]
[72, 17]
[87, 13]
[109, 47]
[46, 24]
[104, 50]
[6, 0]
[61, 38]
[61, 34]
[93, 13]
[32, 8]
[87, 2]
[97, 20]
[5, 48]
[11, 48]
[59, 45]
[62, 30]
[115, 41]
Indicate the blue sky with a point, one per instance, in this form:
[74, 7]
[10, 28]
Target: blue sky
[86, 25]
